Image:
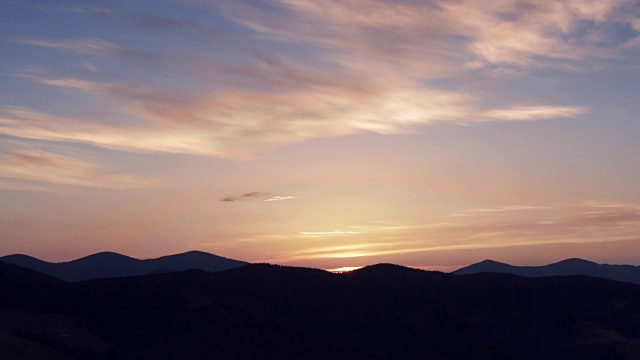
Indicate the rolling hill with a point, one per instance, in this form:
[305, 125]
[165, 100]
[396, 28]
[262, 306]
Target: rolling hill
[379, 312]
[626, 273]
[110, 265]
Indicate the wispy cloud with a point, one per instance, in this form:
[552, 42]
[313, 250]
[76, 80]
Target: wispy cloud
[517, 33]
[247, 196]
[257, 196]
[518, 226]
[29, 124]
[81, 10]
[84, 46]
[501, 210]
[330, 233]
[369, 71]
[40, 166]
[530, 113]
[280, 198]
[234, 123]
[141, 19]
[22, 187]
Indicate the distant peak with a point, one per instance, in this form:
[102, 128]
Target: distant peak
[104, 256]
[383, 267]
[577, 261]
[195, 252]
[188, 254]
[107, 254]
[14, 258]
[487, 265]
[489, 261]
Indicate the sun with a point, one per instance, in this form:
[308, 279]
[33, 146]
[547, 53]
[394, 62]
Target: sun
[344, 269]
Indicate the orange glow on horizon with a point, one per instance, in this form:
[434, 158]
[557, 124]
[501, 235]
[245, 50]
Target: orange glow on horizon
[344, 269]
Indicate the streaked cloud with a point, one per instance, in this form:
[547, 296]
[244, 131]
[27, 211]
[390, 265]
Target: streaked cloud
[514, 33]
[141, 19]
[280, 198]
[59, 169]
[231, 124]
[81, 10]
[257, 196]
[534, 225]
[501, 210]
[529, 113]
[247, 196]
[22, 187]
[371, 72]
[330, 233]
[83, 46]
[30, 124]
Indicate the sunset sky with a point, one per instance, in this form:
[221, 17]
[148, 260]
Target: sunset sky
[325, 133]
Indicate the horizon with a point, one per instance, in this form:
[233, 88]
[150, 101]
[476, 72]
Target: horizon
[424, 134]
[343, 269]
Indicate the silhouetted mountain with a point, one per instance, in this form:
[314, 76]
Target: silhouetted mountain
[110, 264]
[626, 273]
[28, 289]
[265, 311]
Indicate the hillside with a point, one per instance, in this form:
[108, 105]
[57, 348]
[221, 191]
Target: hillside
[378, 312]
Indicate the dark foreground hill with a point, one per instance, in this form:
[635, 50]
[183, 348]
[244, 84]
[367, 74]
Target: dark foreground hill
[627, 273]
[110, 265]
[273, 312]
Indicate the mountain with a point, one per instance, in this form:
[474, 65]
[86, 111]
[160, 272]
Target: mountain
[27, 288]
[626, 273]
[110, 264]
[267, 311]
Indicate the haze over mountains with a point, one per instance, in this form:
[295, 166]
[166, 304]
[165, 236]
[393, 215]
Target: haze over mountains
[110, 265]
[626, 273]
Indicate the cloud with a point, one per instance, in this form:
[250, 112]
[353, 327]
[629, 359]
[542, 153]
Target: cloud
[280, 198]
[519, 33]
[236, 123]
[530, 113]
[22, 187]
[257, 196]
[152, 21]
[83, 46]
[247, 196]
[501, 210]
[41, 166]
[30, 124]
[361, 71]
[79, 10]
[145, 20]
[95, 47]
[330, 233]
[548, 225]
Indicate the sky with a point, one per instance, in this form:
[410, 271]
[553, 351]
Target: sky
[326, 134]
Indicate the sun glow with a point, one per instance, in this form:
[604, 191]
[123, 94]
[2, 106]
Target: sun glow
[344, 269]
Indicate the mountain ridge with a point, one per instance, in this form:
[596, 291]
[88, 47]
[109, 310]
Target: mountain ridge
[566, 267]
[109, 264]
[380, 312]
